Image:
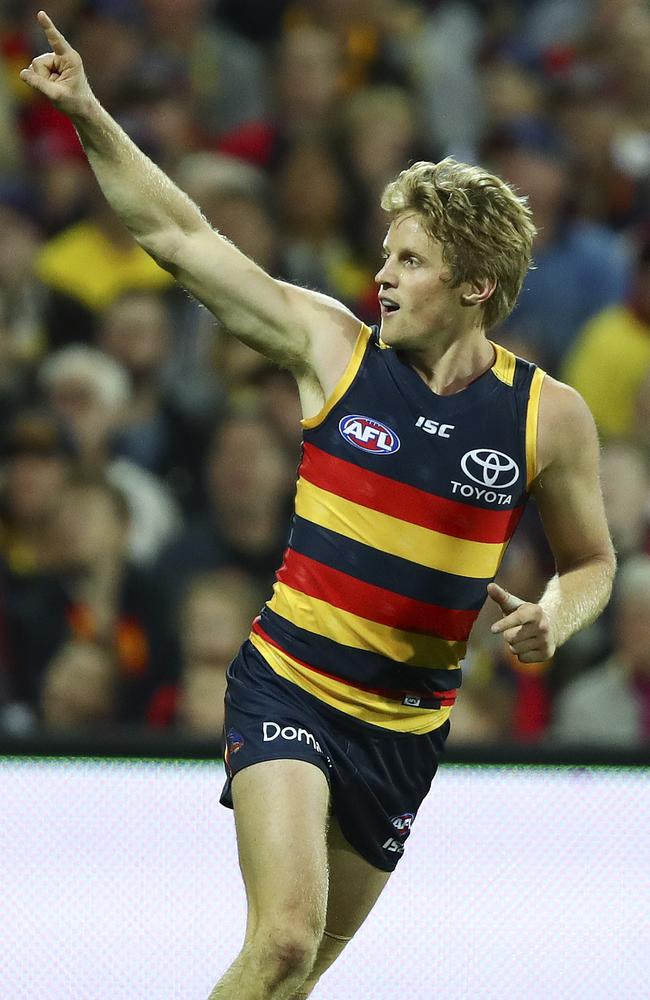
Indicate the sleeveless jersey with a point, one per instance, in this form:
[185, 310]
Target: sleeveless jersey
[405, 504]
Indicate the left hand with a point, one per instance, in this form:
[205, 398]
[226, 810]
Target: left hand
[525, 627]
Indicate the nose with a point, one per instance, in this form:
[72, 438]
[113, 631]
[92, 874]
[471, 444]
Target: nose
[384, 275]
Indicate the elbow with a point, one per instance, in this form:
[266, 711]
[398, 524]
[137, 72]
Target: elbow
[606, 563]
[163, 246]
[167, 242]
[611, 563]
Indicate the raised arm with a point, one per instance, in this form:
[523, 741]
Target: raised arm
[568, 494]
[309, 333]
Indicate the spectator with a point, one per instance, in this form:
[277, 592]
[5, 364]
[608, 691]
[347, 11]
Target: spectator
[277, 398]
[154, 431]
[94, 595]
[89, 265]
[11, 151]
[309, 80]
[89, 391]
[249, 481]
[512, 94]
[235, 197]
[316, 105]
[215, 615]
[508, 699]
[580, 268]
[312, 203]
[107, 598]
[618, 689]
[14, 383]
[78, 691]
[37, 455]
[442, 55]
[224, 71]
[610, 360]
[25, 301]
[625, 479]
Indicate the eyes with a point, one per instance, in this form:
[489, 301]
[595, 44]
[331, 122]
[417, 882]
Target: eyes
[407, 259]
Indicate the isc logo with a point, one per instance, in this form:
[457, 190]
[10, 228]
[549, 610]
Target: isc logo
[369, 435]
[433, 427]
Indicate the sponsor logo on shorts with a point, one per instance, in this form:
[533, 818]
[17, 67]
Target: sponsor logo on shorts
[234, 741]
[274, 731]
[403, 824]
[369, 435]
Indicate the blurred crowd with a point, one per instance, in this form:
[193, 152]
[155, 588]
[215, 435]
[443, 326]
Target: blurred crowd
[148, 460]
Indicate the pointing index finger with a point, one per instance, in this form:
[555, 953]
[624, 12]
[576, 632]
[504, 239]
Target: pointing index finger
[510, 621]
[53, 35]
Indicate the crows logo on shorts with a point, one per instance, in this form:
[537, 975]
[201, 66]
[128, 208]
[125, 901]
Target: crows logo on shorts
[234, 742]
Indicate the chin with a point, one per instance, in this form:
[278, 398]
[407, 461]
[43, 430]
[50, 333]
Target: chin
[390, 332]
[394, 334]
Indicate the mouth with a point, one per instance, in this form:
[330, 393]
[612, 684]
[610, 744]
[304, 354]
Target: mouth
[388, 306]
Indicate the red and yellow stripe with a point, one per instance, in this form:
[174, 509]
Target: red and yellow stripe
[366, 600]
[398, 536]
[349, 629]
[379, 708]
[407, 503]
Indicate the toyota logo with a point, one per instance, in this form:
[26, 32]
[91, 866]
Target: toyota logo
[490, 468]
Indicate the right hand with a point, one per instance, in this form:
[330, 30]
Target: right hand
[59, 74]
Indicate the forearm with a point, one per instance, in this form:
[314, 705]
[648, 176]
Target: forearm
[575, 598]
[152, 207]
[264, 313]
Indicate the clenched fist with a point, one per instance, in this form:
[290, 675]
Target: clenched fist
[59, 74]
[525, 627]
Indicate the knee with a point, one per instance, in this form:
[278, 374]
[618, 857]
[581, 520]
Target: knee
[288, 952]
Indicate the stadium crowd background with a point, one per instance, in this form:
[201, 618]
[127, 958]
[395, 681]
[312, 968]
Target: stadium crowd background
[148, 460]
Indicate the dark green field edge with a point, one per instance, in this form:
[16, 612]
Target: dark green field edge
[138, 747]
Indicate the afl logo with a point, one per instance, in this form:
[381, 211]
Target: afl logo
[490, 468]
[403, 824]
[369, 435]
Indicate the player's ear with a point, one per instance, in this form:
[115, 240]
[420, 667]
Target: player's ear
[479, 292]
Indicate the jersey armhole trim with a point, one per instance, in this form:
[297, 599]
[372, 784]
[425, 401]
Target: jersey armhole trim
[504, 364]
[346, 380]
[532, 416]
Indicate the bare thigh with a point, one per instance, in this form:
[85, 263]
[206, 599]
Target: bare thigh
[354, 885]
[281, 816]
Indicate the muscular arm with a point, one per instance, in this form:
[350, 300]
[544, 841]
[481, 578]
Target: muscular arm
[311, 334]
[570, 503]
[568, 494]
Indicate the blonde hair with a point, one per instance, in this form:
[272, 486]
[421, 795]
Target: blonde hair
[485, 229]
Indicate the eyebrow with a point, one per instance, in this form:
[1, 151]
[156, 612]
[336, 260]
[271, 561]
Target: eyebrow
[405, 250]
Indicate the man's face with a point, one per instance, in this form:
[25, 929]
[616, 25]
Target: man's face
[33, 485]
[414, 279]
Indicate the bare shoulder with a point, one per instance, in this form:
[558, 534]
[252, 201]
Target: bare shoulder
[566, 428]
[320, 312]
[332, 332]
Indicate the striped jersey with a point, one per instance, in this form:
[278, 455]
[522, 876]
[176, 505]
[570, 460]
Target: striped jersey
[405, 504]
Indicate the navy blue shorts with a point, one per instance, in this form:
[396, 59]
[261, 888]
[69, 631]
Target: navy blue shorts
[377, 778]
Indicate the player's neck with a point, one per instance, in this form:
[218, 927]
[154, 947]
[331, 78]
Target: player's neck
[449, 366]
